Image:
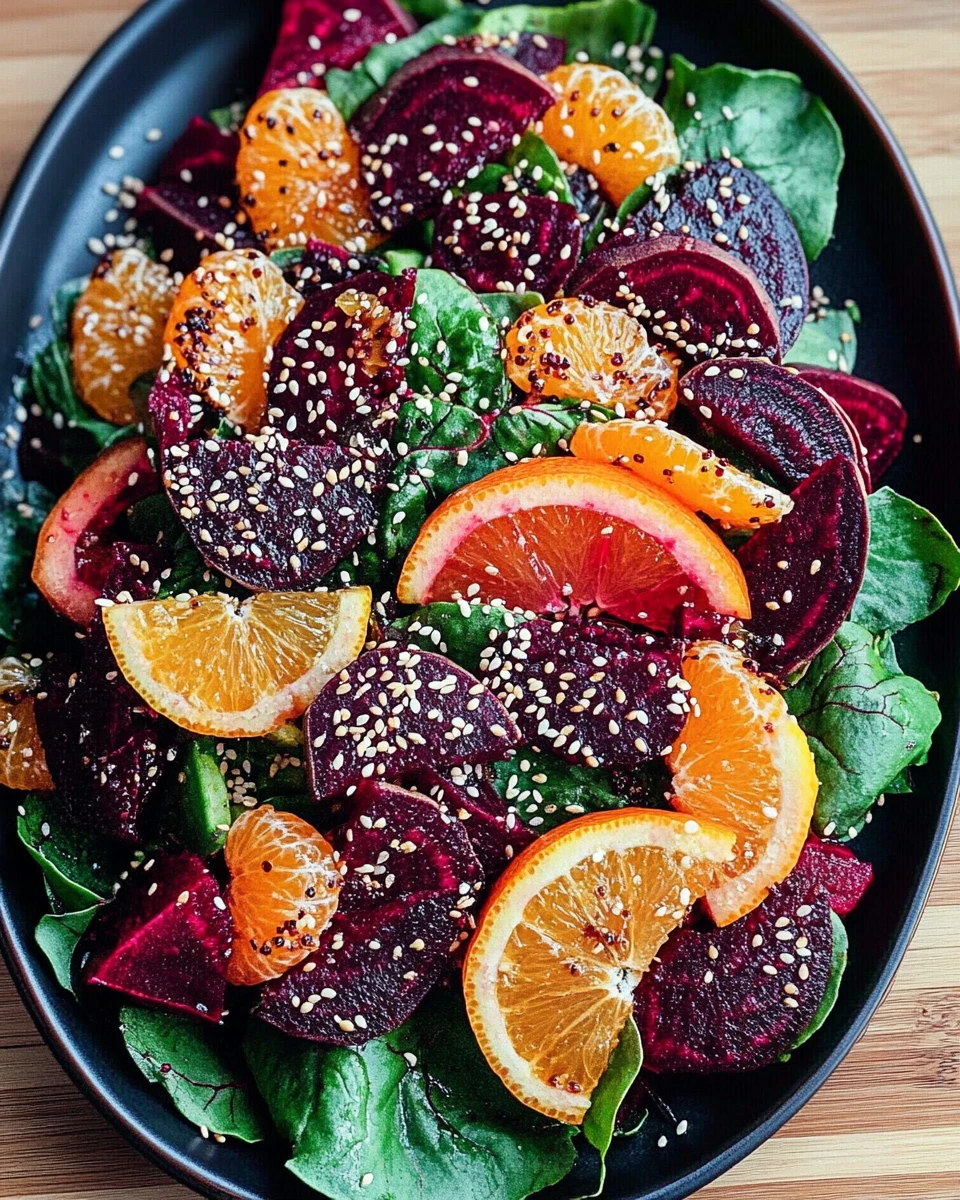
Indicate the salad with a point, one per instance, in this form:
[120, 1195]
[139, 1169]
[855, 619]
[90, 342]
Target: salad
[450, 605]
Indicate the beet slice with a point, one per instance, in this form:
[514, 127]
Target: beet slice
[272, 513]
[692, 296]
[475, 102]
[737, 211]
[164, 941]
[734, 999]
[593, 694]
[203, 157]
[879, 417]
[410, 880]
[177, 412]
[106, 749]
[186, 223]
[323, 266]
[823, 540]
[316, 34]
[397, 709]
[845, 877]
[538, 52]
[505, 242]
[769, 413]
[335, 367]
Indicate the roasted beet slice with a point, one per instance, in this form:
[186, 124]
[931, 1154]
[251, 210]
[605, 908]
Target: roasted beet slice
[733, 208]
[692, 296]
[176, 412]
[410, 880]
[804, 572]
[203, 157]
[322, 266]
[845, 877]
[538, 52]
[879, 417]
[506, 242]
[164, 940]
[593, 694]
[335, 367]
[272, 513]
[397, 709]
[779, 421]
[106, 749]
[736, 998]
[439, 119]
[186, 223]
[316, 34]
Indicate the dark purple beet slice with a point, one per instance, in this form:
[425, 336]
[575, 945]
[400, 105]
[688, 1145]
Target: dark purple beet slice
[323, 266]
[177, 413]
[508, 242]
[272, 513]
[106, 749]
[439, 119]
[397, 709]
[135, 572]
[736, 998]
[203, 157]
[410, 880]
[799, 606]
[690, 295]
[186, 223]
[733, 208]
[335, 367]
[591, 694]
[879, 417]
[845, 877]
[164, 940]
[316, 34]
[538, 52]
[781, 422]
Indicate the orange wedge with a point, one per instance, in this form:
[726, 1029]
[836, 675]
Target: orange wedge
[229, 668]
[557, 533]
[695, 475]
[743, 760]
[564, 938]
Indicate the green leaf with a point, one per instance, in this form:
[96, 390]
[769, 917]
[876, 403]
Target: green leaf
[80, 867]
[23, 507]
[429, 10]
[838, 964]
[58, 935]
[507, 307]
[601, 1117]
[415, 1115]
[533, 159]
[153, 520]
[261, 769]
[229, 118]
[200, 798]
[776, 129]
[287, 257]
[828, 338]
[865, 721]
[398, 261]
[191, 1061]
[63, 302]
[546, 791]
[913, 564]
[461, 632]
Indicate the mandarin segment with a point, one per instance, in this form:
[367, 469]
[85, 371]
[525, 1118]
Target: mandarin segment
[23, 765]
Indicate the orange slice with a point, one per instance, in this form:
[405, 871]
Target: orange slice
[220, 666]
[23, 766]
[557, 533]
[589, 350]
[564, 938]
[116, 331]
[695, 475]
[743, 760]
[221, 329]
[605, 123]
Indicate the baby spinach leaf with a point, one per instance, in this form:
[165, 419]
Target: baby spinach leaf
[913, 564]
[64, 301]
[23, 507]
[260, 769]
[429, 10]
[622, 1069]
[546, 791]
[838, 964]
[827, 339]
[80, 868]
[229, 117]
[416, 1114]
[398, 261]
[533, 159]
[195, 1067]
[57, 935]
[865, 721]
[774, 126]
[460, 631]
[200, 800]
[507, 307]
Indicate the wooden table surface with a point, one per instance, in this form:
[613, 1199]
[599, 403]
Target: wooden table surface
[887, 1124]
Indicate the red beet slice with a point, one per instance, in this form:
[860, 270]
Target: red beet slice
[694, 297]
[733, 208]
[410, 881]
[186, 223]
[106, 749]
[779, 420]
[323, 266]
[736, 998]
[203, 157]
[336, 366]
[845, 877]
[508, 242]
[397, 709]
[879, 417]
[316, 34]
[591, 694]
[164, 940]
[437, 121]
[272, 513]
[823, 540]
[538, 52]
[177, 412]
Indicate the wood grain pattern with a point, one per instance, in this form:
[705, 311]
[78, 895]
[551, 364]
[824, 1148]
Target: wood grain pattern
[887, 1124]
